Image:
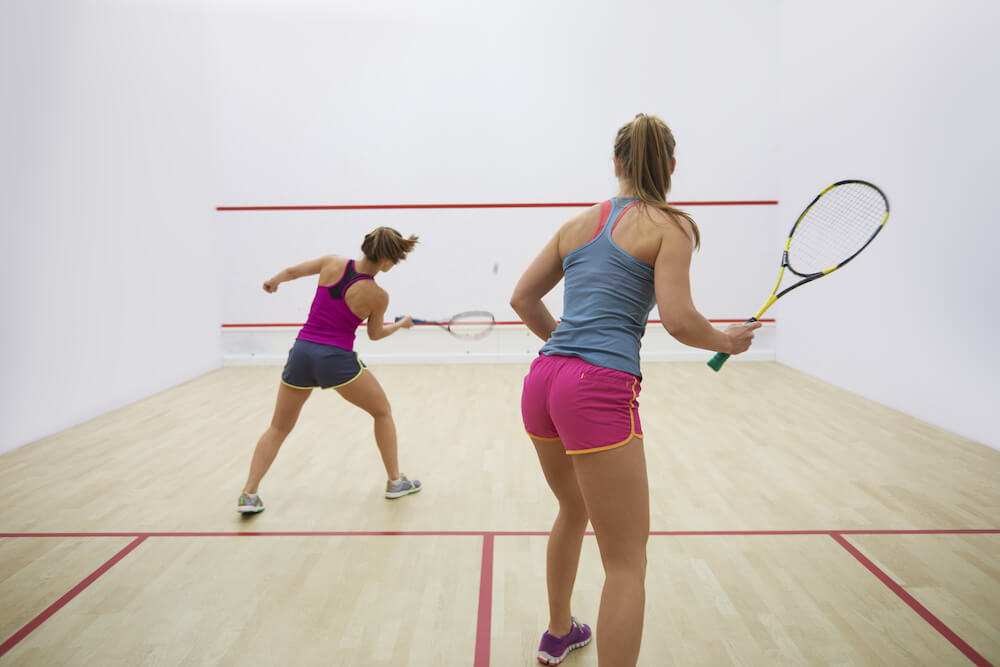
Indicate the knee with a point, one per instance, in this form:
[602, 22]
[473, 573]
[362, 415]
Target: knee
[574, 512]
[381, 411]
[626, 569]
[282, 428]
[627, 560]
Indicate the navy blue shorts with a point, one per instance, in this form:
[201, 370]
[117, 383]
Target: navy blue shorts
[313, 365]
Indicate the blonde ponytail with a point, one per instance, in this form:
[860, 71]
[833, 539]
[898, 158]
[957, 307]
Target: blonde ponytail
[644, 148]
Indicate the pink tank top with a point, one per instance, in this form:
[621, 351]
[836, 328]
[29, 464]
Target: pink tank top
[330, 321]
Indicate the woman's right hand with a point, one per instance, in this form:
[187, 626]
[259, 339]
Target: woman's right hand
[740, 336]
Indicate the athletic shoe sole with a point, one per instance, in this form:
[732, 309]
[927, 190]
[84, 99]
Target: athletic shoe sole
[392, 495]
[547, 659]
[249, 509]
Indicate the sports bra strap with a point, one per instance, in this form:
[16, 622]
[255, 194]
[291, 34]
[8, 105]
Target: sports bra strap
[350, 277]
[605, 212]
[619, 218]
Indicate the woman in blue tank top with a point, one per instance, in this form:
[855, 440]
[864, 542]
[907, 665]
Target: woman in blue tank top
[579, 404]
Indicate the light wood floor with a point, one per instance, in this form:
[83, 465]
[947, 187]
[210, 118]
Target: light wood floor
[802, 470]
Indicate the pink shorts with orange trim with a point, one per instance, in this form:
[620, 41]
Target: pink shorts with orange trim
[588, 407]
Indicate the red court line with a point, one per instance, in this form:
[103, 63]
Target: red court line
[924, 613]
[931, 531]
[484, 619]
[484, 622]
[31, 625]
[369, 207]
[283, 533]
[765, 320]
[502, 533]
[416, 324]
[903, 531]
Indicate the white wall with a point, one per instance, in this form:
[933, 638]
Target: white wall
[463, 102]
[466, 259]
[904, 95]
[124, 124]
[336, 101]
[110, 288]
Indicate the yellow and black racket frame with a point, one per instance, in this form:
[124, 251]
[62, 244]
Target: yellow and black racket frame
[716, 362]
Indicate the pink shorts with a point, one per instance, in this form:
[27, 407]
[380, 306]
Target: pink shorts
[588, 407]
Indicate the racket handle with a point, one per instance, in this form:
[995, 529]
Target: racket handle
[415, 320]
[715, 363]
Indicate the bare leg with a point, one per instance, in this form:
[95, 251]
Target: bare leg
[566, 538]
[616, 491]
[286, 413]
[366, 393]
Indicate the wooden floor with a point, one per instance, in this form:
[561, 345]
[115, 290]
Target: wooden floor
[831, 531]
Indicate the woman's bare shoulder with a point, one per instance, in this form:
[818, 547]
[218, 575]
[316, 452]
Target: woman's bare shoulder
[670, 224]
[332, 269]
[579, 229]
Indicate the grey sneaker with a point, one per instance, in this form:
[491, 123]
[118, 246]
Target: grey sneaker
[250, 504]
[403, 487]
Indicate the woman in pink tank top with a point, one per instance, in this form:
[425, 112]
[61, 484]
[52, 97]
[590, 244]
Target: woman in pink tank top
[323, 354]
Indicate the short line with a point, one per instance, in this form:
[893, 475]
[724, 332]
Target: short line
[280, 533]
[370, 207]
[905, 531]
[924, 613]
[499, 533]
[917, 531]
[707, 533]
[64, 600]
[484, 623]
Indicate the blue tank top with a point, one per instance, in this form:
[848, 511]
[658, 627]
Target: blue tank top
[607, 297]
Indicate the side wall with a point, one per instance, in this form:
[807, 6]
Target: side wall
[110, 290]
[901, 94]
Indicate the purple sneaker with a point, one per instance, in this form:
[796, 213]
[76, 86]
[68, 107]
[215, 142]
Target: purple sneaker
[553, 650]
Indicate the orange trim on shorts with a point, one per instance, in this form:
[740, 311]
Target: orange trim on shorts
[531, 435]
[574, 452]
[632, 433]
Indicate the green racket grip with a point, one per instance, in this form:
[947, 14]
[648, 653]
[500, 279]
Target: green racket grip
[715, 363]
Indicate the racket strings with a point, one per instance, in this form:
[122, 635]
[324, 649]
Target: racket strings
[836, 227]
[471, 325]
